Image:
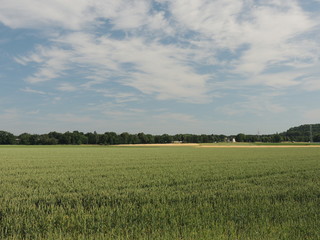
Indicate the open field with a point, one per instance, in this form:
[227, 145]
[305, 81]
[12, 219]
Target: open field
[97, 192]
[160, 145]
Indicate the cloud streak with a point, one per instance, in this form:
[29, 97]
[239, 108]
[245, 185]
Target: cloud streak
[272, 33]
[149, 67]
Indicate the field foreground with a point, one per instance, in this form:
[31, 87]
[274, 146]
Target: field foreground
[94, 192]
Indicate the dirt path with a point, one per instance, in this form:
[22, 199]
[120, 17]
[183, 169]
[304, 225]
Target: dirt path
[215, 146]
[258, 146]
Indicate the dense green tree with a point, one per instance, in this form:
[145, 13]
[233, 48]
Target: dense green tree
[103, 139]
[316, 138]
[221, 138]
[134, 139]
[66, 138]
[204, 138]
[93, 138]
[6, 138]
[57, 136]
[24, 139]
[34, 139]
[111, 138]
[165, 138]
[240, 137]
[150, 138]
[142, 138]
[125, 138]
[301, 133]
[45, 139]
[276, 138]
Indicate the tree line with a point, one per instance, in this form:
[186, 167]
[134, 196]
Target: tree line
[303, 133]
[112, 138]
[107, 138]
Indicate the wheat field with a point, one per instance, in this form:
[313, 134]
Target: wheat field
[99, 192]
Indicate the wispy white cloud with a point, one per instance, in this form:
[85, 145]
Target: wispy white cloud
[30, 90]
[151, 68]
[277, 80]
[71, 14]
[81, 14]
[270, 31]
[67, 87]
[118, 97]
[9, 114]
[35, 112]
[177, 117]
[311, 83]
[71, 118]
[255, 104]
[137, 10]
[52, 62]
[117, 110]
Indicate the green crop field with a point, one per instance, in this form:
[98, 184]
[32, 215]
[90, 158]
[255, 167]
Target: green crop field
[98, 192]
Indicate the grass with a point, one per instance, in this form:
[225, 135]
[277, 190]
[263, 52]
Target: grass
[97, 192]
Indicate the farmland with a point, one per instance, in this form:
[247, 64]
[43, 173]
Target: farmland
[98, 192]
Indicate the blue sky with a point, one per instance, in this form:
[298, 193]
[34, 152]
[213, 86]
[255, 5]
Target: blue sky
[219, 66]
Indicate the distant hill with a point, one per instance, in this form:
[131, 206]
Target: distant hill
[302, 133]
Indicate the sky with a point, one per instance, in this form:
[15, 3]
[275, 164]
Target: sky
[159, 66]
